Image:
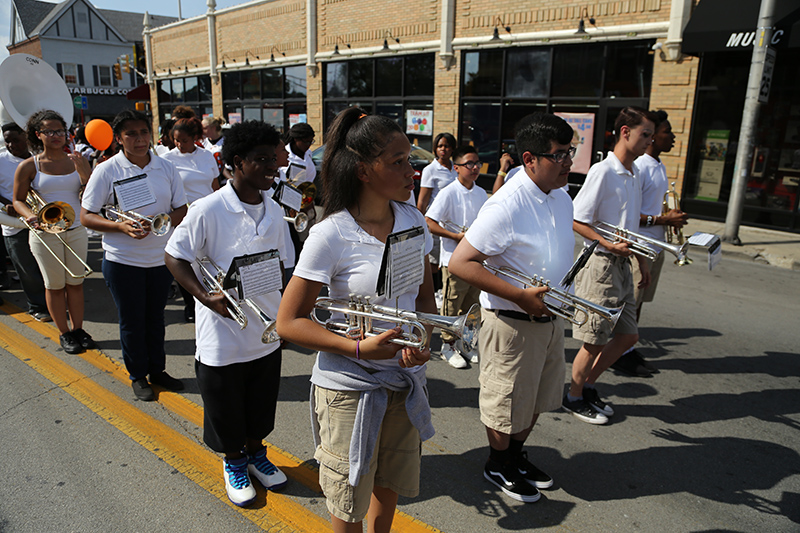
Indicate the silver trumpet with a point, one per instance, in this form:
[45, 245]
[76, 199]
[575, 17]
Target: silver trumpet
[580, 307]
[213, 284]
[614, 233]
[299, 220]
[360, 313]
[451, 226]
[159, 224]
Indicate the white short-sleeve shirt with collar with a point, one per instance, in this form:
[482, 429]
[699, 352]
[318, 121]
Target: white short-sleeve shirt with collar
[655, 184]
[219, 227]
[611, 194]
[436, 176]
[169, 193]
[340, 254]
[526, 229]
[8, 166]
[298, 175]
[459, 205]
[197, 170]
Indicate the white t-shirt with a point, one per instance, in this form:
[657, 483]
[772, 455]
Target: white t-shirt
[168, 190]
[436, 176]
[610, 194]
[459, 205]
[298, 175]
[8, 166]
[340, 254]
[197, 170]
[219, 226]
[523, 228]
[655, 184]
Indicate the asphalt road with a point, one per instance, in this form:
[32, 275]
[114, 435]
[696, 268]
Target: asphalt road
[708, 444]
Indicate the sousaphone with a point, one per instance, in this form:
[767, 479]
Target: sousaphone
[28, 84]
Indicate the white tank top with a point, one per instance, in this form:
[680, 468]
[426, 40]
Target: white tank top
[59, 188]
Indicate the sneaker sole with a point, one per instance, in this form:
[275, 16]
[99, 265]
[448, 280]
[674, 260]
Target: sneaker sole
[608, 411]
[596, 420]
[539, 484]
[512, 495]
[241, 504]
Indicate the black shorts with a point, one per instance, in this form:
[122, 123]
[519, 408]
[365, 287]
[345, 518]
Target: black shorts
[239, 401]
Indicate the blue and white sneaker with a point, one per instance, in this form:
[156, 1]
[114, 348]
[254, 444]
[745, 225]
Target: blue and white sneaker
[265, 472]
[237, 483]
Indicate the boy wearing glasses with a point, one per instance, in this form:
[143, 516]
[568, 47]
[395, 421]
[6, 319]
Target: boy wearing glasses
[451, 213]
[526, 226]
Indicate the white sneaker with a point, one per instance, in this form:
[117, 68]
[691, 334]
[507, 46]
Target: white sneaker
[452, 357]
[237, 483]
[269, 475]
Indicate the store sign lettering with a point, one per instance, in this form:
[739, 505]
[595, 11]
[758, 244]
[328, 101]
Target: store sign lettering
[98, 90]
[745, 39]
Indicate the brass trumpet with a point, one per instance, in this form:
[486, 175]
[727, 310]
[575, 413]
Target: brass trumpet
[617, 234]
[160, 224]
[213, 284]
[451, 226]
[54, 218]
[360, 314]
[299, 220]
[669, 231]
[581, 308]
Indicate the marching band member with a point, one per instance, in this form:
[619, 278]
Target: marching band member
[133, 262]
[56, 176]
[439, 173]
[300, 139]
[370, 406]
[457, 203]
[527, 226]
[237, 374]
[612, 193]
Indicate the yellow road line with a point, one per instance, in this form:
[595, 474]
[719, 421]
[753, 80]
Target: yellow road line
[301, 472]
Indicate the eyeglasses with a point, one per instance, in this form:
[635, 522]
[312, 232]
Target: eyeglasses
[560, 157]
[470, 164]
[53, 133]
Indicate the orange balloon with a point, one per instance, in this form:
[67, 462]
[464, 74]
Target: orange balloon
[99, 134]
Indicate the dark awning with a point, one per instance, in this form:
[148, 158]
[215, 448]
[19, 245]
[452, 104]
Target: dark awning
[720, 25]
[142, 92]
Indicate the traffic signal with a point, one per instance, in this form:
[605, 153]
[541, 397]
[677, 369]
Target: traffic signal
[126, 63]
[117, 71]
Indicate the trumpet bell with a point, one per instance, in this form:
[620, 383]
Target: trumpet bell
[161, 224]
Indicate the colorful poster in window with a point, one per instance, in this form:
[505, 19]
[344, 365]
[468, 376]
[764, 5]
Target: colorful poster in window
[297, 118]
[234, 118]
[419, 122]
[712, 164]
[583, 125]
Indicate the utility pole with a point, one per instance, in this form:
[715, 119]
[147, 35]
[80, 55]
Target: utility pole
[180, 15]
[752, 109]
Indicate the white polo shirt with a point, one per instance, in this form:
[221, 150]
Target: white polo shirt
[168, 190]
[8, 166]
[655, 184]
[218, 227]
[300, 175]
[340, 254]
[197, 170]
[436, 176]
[457, 204]
[610, 194]
[523, 228]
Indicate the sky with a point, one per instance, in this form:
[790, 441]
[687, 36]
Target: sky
[189, 8]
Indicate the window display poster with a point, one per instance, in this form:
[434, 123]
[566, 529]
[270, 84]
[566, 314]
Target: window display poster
[234, 118]
[583, 125]
[419, 121]
[297, 118]
[712, 164]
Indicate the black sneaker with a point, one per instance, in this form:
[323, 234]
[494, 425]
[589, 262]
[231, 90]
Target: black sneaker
[532, 475]
[644, 363]
[510, 481]
[83, 338]
[142, 390]
[168, 382]
[70, 343]
[583, 411]
[593, 398]
[628, 364]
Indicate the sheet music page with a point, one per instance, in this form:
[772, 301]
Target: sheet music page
[702, 239]
[259, 274]
[406, 265]
[134, 193]
[296, 173]
[290, 197]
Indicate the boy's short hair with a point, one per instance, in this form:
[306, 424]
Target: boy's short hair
[632, 116]
[537, 132]
[463, 150]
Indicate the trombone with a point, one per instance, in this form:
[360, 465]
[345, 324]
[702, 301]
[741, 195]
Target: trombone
[360, 314]
[54, 218]
[452, 227]
[213, 284]
[581, 308]
[617, 234]
[299, 220]
[160, 224]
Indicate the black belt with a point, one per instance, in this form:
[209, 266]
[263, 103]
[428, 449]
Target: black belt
[516, 315]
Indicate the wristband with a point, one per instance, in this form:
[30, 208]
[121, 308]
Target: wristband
[358, 353]
[650, 220]
[502, 174]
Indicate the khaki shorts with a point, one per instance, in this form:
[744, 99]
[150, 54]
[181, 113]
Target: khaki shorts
[649, 293]
[606, 280]
[522, 371]
[395, 463]
[55, 277]
[458, 297]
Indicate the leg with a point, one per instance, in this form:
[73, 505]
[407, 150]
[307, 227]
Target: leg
[381, 510]
[340, 526]
[582, 366]
[156, 292]
[75, 304]
[28, 270]
[610, 353]
[127, 285]
[57, 306]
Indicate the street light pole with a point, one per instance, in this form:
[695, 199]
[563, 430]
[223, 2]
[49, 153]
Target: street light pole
[752, 108]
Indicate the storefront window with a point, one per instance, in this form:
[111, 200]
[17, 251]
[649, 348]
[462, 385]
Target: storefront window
[528, 73]
[578, 70]
[359, 77]
[251, 86]
[271, 83]
[336, 79]
[419, 75]
[295, 82]
[389, 76]
[192, 91]
[483, 73]
[276, 96]
[629, 71]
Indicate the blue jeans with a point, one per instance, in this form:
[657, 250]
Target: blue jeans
[27, 269]
[141, 296]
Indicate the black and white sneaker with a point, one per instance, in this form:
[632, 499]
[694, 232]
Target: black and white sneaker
[510, 481]
[583, 411]
[532, 475]
[593, 398]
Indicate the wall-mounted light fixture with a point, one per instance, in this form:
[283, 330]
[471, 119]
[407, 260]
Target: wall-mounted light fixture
[336, 48]
[582, 24]
[223, 59]
[247, 59]
[386, 41]
[496, 33]
[272, 56]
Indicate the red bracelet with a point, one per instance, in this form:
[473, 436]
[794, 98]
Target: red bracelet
[358, 353]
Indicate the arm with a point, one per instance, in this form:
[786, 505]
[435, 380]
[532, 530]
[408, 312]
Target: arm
[424, 199]
[674, 217]
[183, 273]
[23, 177]
[96, 222]
[436, 229]
[505, 164]
[587, 232]
[177, 214]
[82, 165]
